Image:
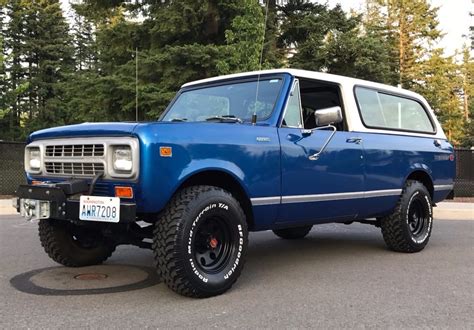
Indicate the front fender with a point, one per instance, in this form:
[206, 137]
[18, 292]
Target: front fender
[233, 149]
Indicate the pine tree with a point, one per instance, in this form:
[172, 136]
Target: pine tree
[14, 42]
[244, 41]
[467, 74]
[51, 61]
[273, 54]
[410, 28]
[441, 86]
[85, 47]
[39, 56]
[304, 29]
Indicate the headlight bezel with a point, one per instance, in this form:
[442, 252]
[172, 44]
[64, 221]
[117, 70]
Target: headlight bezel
[28, 159]
[133, 147]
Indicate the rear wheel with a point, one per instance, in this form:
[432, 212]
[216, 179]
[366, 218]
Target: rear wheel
[200, 242]
[72, 245]
[293, 233]
[408, 228]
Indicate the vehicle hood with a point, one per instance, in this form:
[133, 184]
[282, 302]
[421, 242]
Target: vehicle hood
[86, 129]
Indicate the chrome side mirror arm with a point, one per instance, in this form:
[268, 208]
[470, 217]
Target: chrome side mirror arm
[316, 155]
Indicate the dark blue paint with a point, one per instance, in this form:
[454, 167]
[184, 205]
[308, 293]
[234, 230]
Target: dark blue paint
[85, 129]
[339, 169]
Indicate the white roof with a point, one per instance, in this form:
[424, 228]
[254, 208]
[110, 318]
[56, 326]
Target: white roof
[342, 80]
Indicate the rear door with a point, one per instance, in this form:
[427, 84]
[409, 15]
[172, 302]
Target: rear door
[328, 188]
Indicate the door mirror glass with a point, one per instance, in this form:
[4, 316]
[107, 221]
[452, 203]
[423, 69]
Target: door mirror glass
[328, 116]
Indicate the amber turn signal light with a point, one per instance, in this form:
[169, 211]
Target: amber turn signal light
[123, 192]
[166, 152]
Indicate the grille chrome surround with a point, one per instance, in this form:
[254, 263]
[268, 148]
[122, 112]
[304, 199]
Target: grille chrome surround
[83, 157]
[75, 150]
[74, 168]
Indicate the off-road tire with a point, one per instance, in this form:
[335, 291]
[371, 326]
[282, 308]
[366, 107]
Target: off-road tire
[293, 233]
[58, 240]
[396, 230]
[178, 240]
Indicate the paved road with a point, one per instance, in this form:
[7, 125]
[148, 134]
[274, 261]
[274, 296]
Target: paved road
[339, 277]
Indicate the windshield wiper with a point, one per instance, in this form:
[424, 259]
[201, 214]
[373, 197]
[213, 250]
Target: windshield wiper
[225, 119]
[179, 119]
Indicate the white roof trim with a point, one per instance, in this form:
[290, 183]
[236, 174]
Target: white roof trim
[310, 75]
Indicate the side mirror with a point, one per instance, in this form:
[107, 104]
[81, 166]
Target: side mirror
[327, 116]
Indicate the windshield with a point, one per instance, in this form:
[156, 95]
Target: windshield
[233, 100]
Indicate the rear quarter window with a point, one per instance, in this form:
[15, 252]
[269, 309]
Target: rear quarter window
[392, 112]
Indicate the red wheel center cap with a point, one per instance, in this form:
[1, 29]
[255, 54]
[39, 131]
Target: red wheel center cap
[213, 242]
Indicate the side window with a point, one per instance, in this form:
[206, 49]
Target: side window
[318, 95]
[293, 108]
[380, 110]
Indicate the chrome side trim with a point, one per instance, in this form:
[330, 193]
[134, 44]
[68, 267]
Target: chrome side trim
[324, 197]
[382, 193]
[443, 187]
[321, 197]
[265, 200]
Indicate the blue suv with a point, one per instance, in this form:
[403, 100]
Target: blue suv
[278, 150]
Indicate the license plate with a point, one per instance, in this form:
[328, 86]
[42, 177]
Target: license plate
[98, 208]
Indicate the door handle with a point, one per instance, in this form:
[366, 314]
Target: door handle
[356, 140]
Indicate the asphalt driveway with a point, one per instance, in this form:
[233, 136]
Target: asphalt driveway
[338, 277]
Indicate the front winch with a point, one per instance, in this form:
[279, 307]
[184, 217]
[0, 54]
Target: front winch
[33, 209]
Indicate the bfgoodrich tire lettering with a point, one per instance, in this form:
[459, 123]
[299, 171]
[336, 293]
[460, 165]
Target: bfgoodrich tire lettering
[200, 242]
[409, 227]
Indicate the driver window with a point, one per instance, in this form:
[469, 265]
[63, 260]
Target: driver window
[293, 108]
[317, 95]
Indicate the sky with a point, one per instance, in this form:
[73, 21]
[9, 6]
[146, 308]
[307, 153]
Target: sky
[454, 19]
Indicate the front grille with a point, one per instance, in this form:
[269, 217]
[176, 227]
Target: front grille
[75, 150]
[68, 168]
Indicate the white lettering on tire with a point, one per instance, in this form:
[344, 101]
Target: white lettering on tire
[209, 207]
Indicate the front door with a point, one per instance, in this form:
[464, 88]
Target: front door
[328, 188]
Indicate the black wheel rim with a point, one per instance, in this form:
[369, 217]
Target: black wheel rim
[213, 245]
[417, 218]
[84, 239]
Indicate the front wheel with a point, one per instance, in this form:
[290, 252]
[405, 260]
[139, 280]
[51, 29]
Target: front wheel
[408, 228]
[72, 245]
[200, 242]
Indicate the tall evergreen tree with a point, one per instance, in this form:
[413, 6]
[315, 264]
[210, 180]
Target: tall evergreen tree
[244, 41]
[14, 43]
[304, 28]
[467, 74]
[39, 56]
[273, 54]
[410, 28]
[441, 86]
